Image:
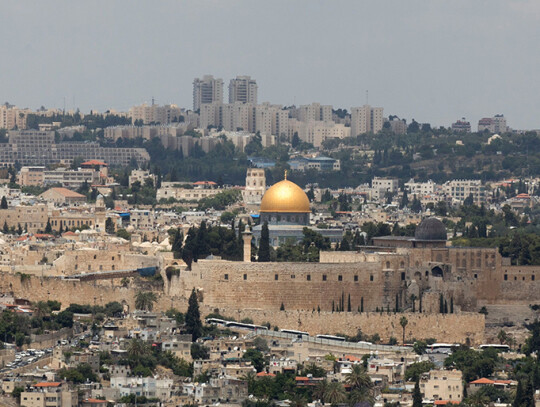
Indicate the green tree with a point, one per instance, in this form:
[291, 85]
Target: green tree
[264, 244]
[403, 322]
[417, 395]
[360, 384]
[48, 228]
[4, 204]
[256, 357]
[145, 300]
[193, 317]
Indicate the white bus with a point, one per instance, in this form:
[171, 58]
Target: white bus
[442, 348]
[299, 334]
[331, 338]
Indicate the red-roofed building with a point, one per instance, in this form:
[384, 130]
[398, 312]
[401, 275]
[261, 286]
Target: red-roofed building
[476, 385]
[264, 374]
[93, 163]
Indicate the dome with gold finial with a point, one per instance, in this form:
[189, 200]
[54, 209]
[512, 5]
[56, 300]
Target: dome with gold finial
[285, 197]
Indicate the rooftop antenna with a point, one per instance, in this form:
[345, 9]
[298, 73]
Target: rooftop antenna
[152, 101]
[367, 97]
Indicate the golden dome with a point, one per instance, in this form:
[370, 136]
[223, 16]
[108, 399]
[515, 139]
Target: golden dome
[285, 197]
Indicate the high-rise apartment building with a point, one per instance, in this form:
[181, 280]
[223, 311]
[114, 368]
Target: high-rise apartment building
[314, 111]
[12, 117]
[366, 119]
[155, 114]
[243, 89]
[207, 90]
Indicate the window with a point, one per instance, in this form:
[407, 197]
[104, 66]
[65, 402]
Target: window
[324, 277]
[402, 276]
[387, 264]
[355, 278]
[226, 276]
[505, 277]
[308, 277]
[532, 278]
[475, 275]
[340, 278]
[371, 277]
[293, 276]
[245, 276]
[276, 277]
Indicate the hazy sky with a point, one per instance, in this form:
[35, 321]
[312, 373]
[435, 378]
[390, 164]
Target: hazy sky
[431, 60]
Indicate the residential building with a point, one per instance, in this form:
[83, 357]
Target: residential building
[462, 126]
[141, 176]
[380, 186]
[442, 385]
[420, 188]
[478, 384]
[183, 192]
[155, 114]
[397, 125]
[49, 394]
[12, 117]
[314, 112]
[31, 176]
[271, 120]
[366, 119]
[32, 148]
[314, 163]
[243, 89]
[179, 345]
[207, 90]
[62, 196]
[151, 387]
[495, 124]
[316, 132]
[241, 139]
[456, 191]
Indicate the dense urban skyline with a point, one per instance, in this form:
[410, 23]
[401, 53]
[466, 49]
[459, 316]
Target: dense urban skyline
[434, 62]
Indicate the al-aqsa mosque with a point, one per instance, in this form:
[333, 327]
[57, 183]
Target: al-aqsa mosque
[285, 206]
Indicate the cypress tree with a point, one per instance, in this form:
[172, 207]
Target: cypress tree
[193, 317]
[349, 309]
[48, 228]
[417, 396]
[518, 399]
[4, 204]
[362, 304]
[264, 244]
[445, 307]
[441, 304]
[333, 306]
[451, 305]
[5, 229]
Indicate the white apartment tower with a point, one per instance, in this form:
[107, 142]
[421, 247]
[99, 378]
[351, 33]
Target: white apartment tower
[366, 119]
[207, 90]
[243, 89]
[315, 112]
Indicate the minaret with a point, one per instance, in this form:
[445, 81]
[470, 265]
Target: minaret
[247, 236]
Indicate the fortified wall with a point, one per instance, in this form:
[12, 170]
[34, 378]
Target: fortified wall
[456, 327]
[467, 328]
[300, 286]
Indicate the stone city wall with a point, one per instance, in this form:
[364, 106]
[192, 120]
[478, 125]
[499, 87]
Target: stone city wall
[304, 286]
[456, 328]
